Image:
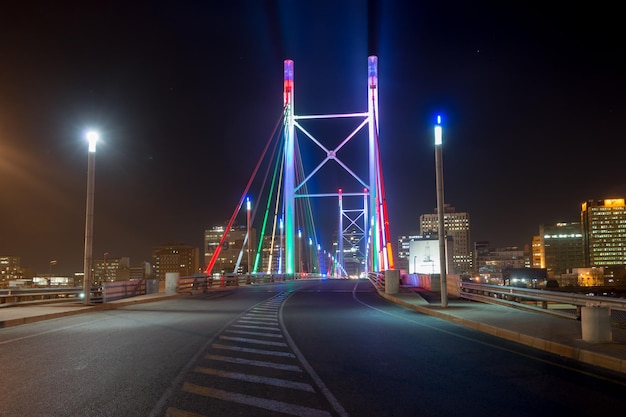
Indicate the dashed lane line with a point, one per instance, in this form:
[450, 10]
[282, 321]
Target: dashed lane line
[243, 361]
[271, 405]
[253, 350]
[277, 382]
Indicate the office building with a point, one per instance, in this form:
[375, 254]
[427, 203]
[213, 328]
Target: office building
[457, 227]
[9, 269]
[493, 264]
[402, 257]
[233, 256]
[175, 258]
[560, 247]
[604, 232]
[536, 253]
[109, 269]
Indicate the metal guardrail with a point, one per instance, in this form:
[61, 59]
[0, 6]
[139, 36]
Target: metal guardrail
[110, 291]
[202, 283]
[27, 296]
[377, 279]
[557, 303]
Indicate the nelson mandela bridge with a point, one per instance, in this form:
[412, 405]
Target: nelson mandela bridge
[287, 231]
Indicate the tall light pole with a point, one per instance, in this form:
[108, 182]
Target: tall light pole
[105, 274]
[440, 212]
[92, 137]
[300, 251]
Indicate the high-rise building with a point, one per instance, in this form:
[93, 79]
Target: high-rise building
[456, 226]
[604, 232]
[536, 256]
[9, 268]
[110, 269]
[561, 247]
[141, 271]
[493, 264]
[233, 257]
[175, 258]
[404, 245]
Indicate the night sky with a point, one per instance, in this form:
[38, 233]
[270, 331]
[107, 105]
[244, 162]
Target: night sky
[185, 95]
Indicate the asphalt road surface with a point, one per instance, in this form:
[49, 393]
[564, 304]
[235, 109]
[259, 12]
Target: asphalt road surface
[301, 348]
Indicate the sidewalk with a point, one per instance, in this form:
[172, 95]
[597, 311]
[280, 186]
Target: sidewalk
[557, 335]
[18, 315]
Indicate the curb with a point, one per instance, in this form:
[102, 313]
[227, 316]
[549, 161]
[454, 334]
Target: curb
[578, 354]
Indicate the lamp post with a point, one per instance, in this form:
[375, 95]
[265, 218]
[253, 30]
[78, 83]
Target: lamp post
[310, 265]
[440, 213]
[92, 137]
[105, 272]
[300, 251]
[282, 248]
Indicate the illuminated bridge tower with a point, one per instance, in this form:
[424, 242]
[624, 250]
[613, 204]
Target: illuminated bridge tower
[377, 245]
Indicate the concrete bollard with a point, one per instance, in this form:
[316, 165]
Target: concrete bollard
[392, 281]
[171, 282]
[152, 286]
[596, 324]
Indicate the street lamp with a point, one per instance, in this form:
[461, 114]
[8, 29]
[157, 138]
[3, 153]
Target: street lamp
[440, 212]
[92, 137]
[300, 251]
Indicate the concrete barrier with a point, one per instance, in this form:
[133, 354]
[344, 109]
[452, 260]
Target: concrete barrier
[596, 324]
[392, 281]
[171, 282]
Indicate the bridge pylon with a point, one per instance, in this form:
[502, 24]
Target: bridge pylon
[373, 227]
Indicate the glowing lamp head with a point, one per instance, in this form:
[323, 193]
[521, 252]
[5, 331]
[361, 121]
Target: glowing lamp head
[92, 137]
[248, 203]
[438, 132]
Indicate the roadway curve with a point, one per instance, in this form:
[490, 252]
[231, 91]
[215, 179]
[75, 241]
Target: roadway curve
[304, 348]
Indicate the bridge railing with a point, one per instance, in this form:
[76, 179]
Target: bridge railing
[557, 303]
[377, 279]
[202, 283]
[26, 296]
[109, 291]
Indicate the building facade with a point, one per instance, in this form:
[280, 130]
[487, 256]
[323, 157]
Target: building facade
[110, 269]
[561, 247]
[175, 258]
[493, 264]
[233, 256]
[604, 232]
[9, 269]
[457, 226]
[402, 256]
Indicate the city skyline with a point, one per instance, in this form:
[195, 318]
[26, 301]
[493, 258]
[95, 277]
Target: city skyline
[186, 96]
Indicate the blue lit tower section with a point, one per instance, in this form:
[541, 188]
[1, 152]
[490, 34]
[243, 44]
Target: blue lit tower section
[289, 180]
[372, 110]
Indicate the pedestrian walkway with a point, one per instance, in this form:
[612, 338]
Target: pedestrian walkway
[18, 315]
[561, 336]
[553, 334]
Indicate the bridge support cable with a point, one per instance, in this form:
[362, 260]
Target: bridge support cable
[272, 187]
[277, 186]
[218, 249]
